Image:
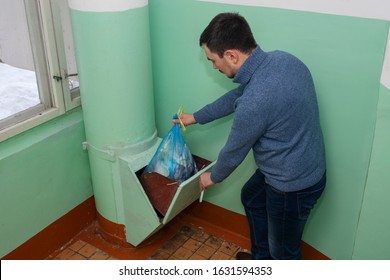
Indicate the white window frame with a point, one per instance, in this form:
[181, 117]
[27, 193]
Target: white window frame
[45, 31]
[70, 102]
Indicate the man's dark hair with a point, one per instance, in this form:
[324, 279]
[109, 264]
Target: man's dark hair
[228, 31]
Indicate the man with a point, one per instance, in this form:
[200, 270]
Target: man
[276, 115]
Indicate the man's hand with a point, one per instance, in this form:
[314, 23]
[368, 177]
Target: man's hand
[205, 181]
[185, 118]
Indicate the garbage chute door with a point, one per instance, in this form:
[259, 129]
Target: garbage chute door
[187, 192]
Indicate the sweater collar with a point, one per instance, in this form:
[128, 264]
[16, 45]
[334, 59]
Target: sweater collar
[247, 69]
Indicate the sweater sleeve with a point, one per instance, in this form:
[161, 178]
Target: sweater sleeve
[221, 107]
[248, 125]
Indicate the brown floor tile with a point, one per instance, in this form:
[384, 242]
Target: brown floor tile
[77, 256]
[229, 248]
[87, 250]
[214, 242]
[200, 235]
[174, 243]
[160, 255]
[170, 247]
[195, 256]
[65, 255]
[179, 238]
[192, 245]
[220, 256]
[187, 230]
[100, 255]
[206, 251]
[182, 254]
[77, 245]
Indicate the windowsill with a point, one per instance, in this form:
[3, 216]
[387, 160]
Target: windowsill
[36, 134]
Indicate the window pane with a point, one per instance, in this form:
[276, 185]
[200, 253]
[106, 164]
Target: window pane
[18, 90]
[18, 81]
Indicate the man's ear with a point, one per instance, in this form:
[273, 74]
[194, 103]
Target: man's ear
[232, 56]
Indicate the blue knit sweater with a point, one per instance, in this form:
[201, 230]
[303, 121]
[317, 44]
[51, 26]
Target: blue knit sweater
[276, 115]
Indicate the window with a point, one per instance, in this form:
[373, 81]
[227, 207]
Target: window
[38, 72]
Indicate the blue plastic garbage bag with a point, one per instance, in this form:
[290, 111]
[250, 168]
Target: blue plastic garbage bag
[173, 158]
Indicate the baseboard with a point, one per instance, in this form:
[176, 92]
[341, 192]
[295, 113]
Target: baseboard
[56, 234]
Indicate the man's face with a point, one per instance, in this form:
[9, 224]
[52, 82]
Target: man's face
[222, 64]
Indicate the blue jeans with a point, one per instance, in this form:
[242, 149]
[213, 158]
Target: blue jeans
[277, 219]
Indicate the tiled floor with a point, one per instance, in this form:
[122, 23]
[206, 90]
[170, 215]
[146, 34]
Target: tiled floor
[81, 250]
[185, 242]
[194, 244]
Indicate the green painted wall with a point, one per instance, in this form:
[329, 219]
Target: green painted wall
[373, 232]
[44, 174]
[345, 55]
